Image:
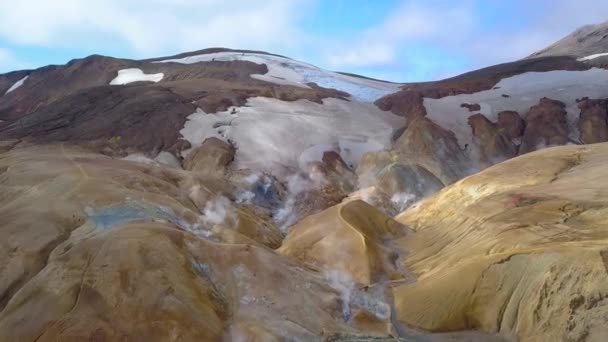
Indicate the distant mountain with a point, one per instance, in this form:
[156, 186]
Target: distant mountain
[587, 41]
[281, 114]
[121, 106]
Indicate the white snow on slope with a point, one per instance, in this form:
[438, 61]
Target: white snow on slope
[126, 76]
[163, 158]
[524, 91]
[270, 134]
[287, 71]
[16, 85]
[597, 55]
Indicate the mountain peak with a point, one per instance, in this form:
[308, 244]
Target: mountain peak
[585, 41]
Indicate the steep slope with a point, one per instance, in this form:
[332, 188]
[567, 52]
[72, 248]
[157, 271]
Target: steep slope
[250, 99]
[347, 238]
[519, 249]
[98, 248]
[95, 248]
[587, 42]
[283, 115]
[464, 124]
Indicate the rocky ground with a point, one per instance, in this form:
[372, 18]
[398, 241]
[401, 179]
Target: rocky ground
[243, 196]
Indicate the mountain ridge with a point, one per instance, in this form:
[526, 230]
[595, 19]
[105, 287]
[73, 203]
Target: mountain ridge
[585, 41]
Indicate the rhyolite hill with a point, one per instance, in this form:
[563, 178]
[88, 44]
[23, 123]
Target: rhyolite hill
[240, 195]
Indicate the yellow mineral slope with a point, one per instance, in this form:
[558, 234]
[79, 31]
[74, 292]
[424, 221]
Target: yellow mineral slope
[353, 238]
[520, 249]
[94, 248]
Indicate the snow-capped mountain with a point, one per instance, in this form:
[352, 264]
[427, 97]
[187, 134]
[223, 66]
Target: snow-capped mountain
[278, 111]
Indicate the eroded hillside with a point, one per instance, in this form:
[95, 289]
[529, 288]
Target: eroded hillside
[233, 195]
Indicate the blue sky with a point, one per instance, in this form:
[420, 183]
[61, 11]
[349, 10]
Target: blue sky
[399, 40]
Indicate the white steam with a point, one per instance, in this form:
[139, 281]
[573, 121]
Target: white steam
[297, 184]
[252, 184]
[218, 211]
[344, 285]
[367, 195]
[245, 197]
[402, 200]
[252, 178]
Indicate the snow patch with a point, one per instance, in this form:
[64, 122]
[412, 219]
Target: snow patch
[351, 151]
[164, 158]
[588, 58]
[278, 80]
[17, 85]
[139, 158]
[271, 134]
[126, 76]
[315, 153]
[286, 71]
[168, 159]
[524, 90]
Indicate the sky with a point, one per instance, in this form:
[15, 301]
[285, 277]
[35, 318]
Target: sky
[397, 40]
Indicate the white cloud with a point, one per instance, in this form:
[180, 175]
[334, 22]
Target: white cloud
[447, 37]
[409, 23]
[363, 55]
[556, 19]
[490, 48]
[430, 38]
[151, 27]
[424, 21]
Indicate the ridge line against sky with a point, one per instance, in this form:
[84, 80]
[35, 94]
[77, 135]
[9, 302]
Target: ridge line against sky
[396, 40]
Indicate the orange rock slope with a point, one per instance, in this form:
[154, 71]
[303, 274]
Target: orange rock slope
[95, 248]
[519, 249]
